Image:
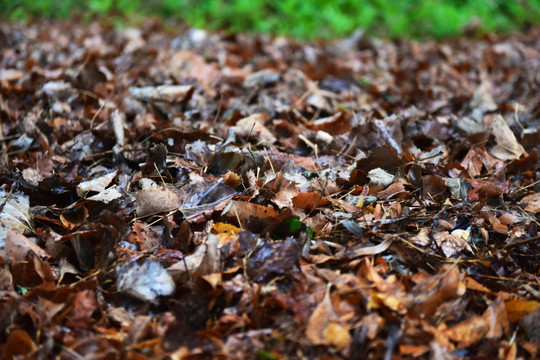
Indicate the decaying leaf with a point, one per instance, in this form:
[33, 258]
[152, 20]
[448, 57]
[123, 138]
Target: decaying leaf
[146, 281]
[154, 199]
[204, 197]
[274, 258]
[458, 187]
[319, 321]
[106, 196]
[532, 203]
[15, 213]
[97, 185]
[379, 176]
[531, 324]
[167, 93]
[468, 332]
[507, 148]
[18, 246]
[253, 126]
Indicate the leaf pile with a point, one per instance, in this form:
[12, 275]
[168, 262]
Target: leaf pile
[198, 195]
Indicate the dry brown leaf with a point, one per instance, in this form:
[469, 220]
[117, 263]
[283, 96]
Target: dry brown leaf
[469, 331]
[186, 64]
[253, 126]
[184, 269]
[532, 201]
[309, 201]
[244, 210]
[156, 199]
[451, 244]
[497, 319]
[507, 148]
[19, 246]
[319, 320]
[435, 290]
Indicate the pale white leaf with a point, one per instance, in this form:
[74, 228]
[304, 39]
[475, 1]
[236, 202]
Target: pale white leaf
[380, 177]
[98, 184]
[106, 196]
[507, 148]
[144, 281]
[16, 211]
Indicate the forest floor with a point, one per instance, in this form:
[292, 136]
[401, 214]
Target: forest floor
[189, 195]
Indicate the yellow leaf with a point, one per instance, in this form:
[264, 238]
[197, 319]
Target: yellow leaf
[337, 335]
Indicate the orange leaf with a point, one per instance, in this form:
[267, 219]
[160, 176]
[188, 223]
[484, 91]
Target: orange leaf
[221, 227]
[517, 309]
[309, 201]
[338, 336]
[468, 332]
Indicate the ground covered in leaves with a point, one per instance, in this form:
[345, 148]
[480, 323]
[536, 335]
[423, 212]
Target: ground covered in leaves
[194, 195]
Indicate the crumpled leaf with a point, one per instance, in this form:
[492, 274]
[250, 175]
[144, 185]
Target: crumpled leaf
[380, 177]
[153, 199]
[205, 260]
[253, 126]
[183, 270]
[532, 201]
[106, 196]
[19, 344]
[186, 64]
[531, 324]
[518, 308]
[507, 148]
[458, 187]
[204, 197]
[497, 319]
[15, 212]
[274, 258]
[324, 328]
[469, 331]
[18, 246]
[319, 321]
[146, 281]
[451, 244]
[98, 184]
[433, 291]
[166, 93]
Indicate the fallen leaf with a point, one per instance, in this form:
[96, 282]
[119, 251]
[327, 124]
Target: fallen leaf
[106, 196]
[497, 319]
[15, 212]
[166, 93]
[154, 199]
[532, 201]
[319, 321]
[338, 336]
[469, 331]
[97, 185]
[146, 281]
[531, 325]
[379, 176]
[253, 126]
[518, 308]
[18, 246]
[507, 147]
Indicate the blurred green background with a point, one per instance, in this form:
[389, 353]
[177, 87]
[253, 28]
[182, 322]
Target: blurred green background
[304, 19]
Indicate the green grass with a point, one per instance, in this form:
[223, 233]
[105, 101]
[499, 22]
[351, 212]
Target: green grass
[304, 19]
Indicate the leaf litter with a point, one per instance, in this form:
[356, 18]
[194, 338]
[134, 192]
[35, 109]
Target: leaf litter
[184, 194]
